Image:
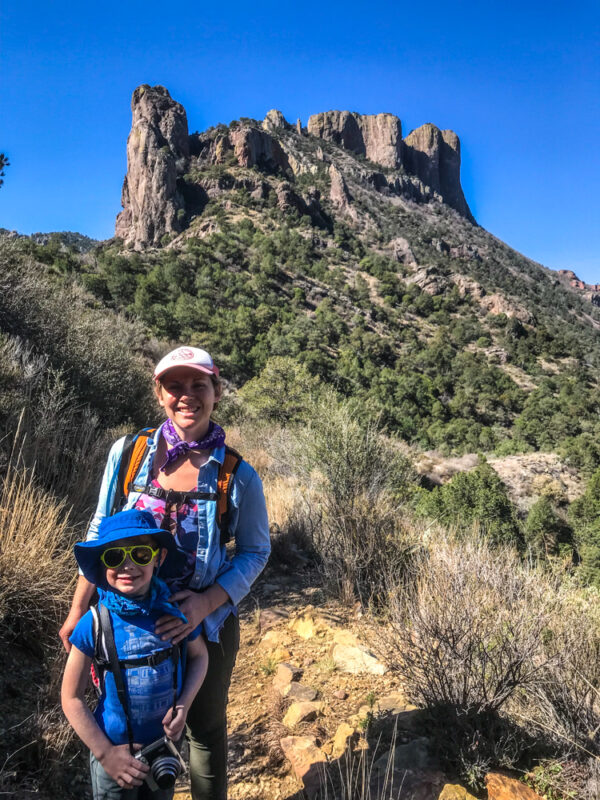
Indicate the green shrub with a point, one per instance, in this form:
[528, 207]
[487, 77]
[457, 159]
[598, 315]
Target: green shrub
[474, 498]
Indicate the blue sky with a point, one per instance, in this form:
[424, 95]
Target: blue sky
[518, 81]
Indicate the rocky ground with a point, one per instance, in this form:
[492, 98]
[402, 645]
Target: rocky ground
[313, 713]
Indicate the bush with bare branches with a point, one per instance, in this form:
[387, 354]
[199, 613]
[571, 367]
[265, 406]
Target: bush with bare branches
[466, 638]
[357, 484]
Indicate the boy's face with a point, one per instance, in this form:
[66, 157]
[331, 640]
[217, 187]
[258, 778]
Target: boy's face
[131, 579]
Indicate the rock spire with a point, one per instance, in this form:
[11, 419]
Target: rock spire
[152, 204]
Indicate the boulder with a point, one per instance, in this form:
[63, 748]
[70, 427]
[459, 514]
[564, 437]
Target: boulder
[356, 660]
[305, 626]
[157, 150]
[297, 691]
[284, 675]
[453, 791]
[395, 702]
[413, 755]
[302, 711]
[402, 251]
[306, 760]
[341, 739]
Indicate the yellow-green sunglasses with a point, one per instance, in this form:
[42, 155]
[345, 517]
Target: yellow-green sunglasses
[140, 554]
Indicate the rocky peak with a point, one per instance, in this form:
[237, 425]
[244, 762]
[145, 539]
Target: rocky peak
[165, 185]
[430, 154]
[152, 205]
[378, 137]
[434, 157]
[274, 121]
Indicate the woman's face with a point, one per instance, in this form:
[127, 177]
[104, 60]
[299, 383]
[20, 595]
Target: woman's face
[188, 398]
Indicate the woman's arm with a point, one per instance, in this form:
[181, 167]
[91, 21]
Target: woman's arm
[115, 759]
[197, 664]
[250, 526]
[81, 602]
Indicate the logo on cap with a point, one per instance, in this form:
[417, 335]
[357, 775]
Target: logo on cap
[182, 353]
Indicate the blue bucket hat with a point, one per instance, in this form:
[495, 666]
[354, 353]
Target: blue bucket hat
[123, 525]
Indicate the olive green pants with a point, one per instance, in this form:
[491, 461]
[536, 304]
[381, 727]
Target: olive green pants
[207, 718]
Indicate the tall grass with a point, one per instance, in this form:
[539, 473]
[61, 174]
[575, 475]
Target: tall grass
[37, 570]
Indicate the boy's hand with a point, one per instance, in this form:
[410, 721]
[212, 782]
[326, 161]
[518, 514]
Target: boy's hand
[174, 725]
[122, 767]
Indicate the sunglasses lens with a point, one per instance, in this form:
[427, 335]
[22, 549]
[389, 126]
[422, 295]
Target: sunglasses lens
[141, 555]
[113, 557]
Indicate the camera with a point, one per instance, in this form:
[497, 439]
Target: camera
[164, 761]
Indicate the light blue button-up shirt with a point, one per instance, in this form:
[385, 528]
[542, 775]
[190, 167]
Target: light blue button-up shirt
[248, 525]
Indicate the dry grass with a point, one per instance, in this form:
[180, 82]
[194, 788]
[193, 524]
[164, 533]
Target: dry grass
[359, 775]
[283, 495]
[37, 569]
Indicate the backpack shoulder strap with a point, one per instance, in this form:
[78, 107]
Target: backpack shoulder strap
[135, 449]
[113, 658]
[227, 470]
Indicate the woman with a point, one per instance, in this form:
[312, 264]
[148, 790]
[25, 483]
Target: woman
[184, 456]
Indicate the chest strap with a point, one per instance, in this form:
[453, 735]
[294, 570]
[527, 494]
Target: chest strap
[170, 496]
[153, 660]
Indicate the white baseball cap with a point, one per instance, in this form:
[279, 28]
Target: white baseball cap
[192, 357]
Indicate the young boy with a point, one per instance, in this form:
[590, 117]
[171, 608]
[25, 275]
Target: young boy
[122, 562]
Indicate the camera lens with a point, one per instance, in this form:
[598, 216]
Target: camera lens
[165, 771]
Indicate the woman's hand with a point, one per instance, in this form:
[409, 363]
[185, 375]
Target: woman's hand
[122, 767]
[173, 725]
[196, 606]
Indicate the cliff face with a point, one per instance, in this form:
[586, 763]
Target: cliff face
[157, 146]
[428, 153]
[378, 137]
[166, 184]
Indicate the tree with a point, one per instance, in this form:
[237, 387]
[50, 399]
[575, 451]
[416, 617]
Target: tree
[282, 392]
[475, 498]
[4, 162]
[543, 528]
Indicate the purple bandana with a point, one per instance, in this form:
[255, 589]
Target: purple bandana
[215, 437]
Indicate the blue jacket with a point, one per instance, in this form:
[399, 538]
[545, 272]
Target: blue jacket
[248, 525]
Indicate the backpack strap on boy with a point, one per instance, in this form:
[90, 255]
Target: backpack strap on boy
[106, 624]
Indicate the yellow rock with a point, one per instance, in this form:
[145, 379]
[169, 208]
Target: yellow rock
[453, 791]
[305, 626]
[502, 787]
[340, 740]
[303, 711]
[345, 637]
